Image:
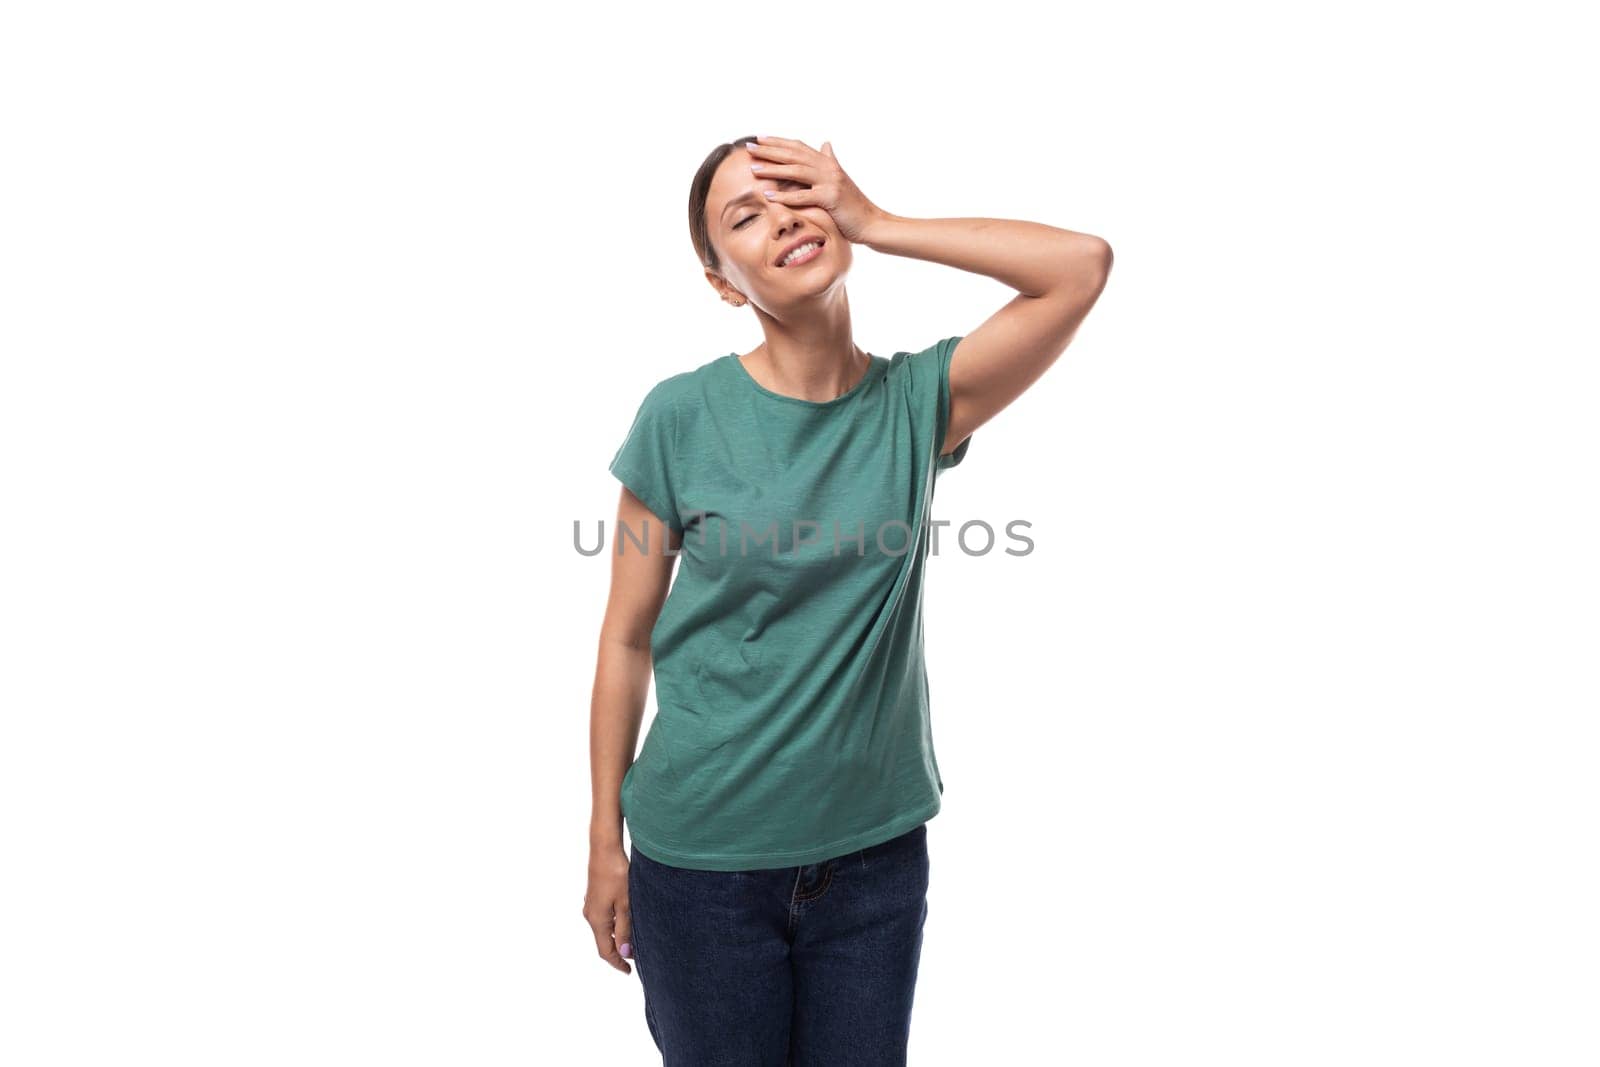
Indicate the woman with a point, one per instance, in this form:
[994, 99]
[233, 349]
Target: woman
[776, 889]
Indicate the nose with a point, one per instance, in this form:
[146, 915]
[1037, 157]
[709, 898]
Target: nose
[786, 216]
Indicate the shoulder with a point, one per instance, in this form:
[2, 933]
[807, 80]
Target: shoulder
[669, 393]
[925, 365]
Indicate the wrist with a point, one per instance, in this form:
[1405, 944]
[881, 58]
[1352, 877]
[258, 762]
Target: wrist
[876, 229]
[605, 836]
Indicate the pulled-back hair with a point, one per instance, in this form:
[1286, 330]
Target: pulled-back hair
[699, 189]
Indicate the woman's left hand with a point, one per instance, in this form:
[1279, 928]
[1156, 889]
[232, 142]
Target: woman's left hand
[830, 187]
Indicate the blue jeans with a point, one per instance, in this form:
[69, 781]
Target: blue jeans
[785, 966]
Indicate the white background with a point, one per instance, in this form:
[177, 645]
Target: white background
[321, 323]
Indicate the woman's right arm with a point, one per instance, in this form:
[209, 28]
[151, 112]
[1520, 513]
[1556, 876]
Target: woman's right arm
[639, 583]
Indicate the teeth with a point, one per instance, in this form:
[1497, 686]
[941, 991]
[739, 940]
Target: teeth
[802, 250]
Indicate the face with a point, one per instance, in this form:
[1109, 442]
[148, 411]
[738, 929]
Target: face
[751, 233]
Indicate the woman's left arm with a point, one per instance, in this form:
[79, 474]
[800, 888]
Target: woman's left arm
[1058, 275]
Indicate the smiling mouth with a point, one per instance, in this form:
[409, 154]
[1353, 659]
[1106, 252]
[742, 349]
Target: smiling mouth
[813, 249]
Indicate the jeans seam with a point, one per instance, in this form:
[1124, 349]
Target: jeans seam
[827, 880]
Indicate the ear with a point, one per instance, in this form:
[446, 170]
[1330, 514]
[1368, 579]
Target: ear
[724, 290]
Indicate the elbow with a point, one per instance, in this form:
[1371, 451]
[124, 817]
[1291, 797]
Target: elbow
[1100, 258]
[1085, 275]
[1097, 265]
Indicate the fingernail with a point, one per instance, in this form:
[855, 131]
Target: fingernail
[627, 950]
[771, 193]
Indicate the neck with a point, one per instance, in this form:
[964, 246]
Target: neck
[817, 363]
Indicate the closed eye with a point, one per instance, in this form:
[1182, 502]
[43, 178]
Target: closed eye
[785, 182]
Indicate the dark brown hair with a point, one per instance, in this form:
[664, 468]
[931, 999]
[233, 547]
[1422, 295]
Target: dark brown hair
[699, 189]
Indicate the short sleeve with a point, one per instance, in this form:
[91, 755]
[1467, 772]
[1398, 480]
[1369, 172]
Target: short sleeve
[646, 460]
[943, 352]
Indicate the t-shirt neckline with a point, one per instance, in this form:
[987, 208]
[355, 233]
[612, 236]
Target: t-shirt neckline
[744, 373]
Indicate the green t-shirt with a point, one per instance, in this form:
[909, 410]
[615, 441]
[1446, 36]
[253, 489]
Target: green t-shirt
[792, 721]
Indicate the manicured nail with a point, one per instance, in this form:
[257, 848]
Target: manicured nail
[771, 193]
[751, 144]
[627, 950]
[755, 166]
